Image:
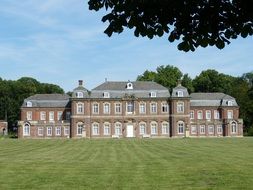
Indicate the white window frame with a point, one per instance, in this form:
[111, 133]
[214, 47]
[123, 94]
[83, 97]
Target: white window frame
[66, 131]
[49, 129]
[142, 107]
[192, 114]
[210, 129]
[107, 108]
[118, 108]
[230, 103]
[79, 94]
[29, 115]
[107, 128]
[180, 107]
[130, 107]
[118, 128]
[152, 94]
[180, 94]
[230, 114]
[154, 128]
[79, 129]
[59, 115]
[164, 107]
[234, 127]
[142, 127]
[202, 129]
[26, 129]
[40, 131]
[79, 108]
[194, 129]
[129, 86]
[180, 127]
[29, 104]
[198, 114]
[208, 114]
[95, 108]
[153, 107]
[51, 116]
[106, 95]
[219, 129]
[95, 129]
[165, 128]
[57, 131]
[42, 115]
[216, 114]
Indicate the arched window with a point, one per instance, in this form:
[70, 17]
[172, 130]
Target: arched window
[80, 108]
[79, 128]
[95, 108]
[29, 104]
[233, 127]
[142, 128]
[79, 95]
[165, 128]
[106, 108]
[95, 129]
[153, 107]
[154, 129]
[129, 85]
[107, 128]
[26, 130]
[118, 128]
[180, 127]
[180, 107]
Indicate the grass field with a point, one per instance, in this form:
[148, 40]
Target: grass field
[219, 163]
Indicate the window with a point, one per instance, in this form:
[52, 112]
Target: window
[193, 129]
[219, 129]
[180, 127]
[180, 107]
[230, 103]
[152, 94]
[210, 129]
[58, 131]
[142, 129]
[95, 129]
[216, 114]
[51, 116]
[230, 114]
[200, 115]
[191, 114]
[117, 108]
[130, 107]
[106, 95]
[180, 94]
[59, 115]
[153, 107]
[95, 108]
[165, 107]
[49, 131]
[80, 108]
[234, 127]
[26, 130]
[43, 116]
[208, 115]
[40, 131]
[79, 128]
[202, 129]
[66, 131]
[107, 129]
[129, 85]
[153, 128]
[68, 115]
[29, 104]
[142, 107]
[118, 129]
[29, 115]
[79, 95]
[106, 108]
[165, 128]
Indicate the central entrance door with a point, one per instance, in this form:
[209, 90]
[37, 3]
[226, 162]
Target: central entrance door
[130, 131]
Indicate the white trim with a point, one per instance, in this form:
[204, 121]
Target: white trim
[26, 129]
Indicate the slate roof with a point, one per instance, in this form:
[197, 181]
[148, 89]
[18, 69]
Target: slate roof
[141, 89]
[80, 89]
[48, 100]
[180, 88]
[211, 99]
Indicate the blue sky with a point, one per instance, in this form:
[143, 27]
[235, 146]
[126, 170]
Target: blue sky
[61, 41]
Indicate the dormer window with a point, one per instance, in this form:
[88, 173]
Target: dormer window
[106, 95]
[180, 94]
[79, 95]
[152, 94]
[230, 103]
[29, 104]
[129, 85]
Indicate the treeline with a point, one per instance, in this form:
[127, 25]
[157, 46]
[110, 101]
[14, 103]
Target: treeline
[240, 88]
[13, 93]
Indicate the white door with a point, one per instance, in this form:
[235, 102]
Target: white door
[130, 131]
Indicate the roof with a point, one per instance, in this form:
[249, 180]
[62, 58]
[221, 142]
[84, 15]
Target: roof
[140, 89]
[179, 88]
[212, 99]
[47, 100]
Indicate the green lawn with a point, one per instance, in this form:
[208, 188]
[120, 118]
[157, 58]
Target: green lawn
[218, 163]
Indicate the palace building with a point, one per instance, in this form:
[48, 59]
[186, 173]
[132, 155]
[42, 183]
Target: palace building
[130, 109]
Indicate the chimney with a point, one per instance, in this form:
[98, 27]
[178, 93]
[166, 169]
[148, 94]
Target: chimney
[80, 82]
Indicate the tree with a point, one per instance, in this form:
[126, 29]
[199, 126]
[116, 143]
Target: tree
[195, 23]
[187, 82]
[147, 76]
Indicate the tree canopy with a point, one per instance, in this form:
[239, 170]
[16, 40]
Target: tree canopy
[195, 23]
